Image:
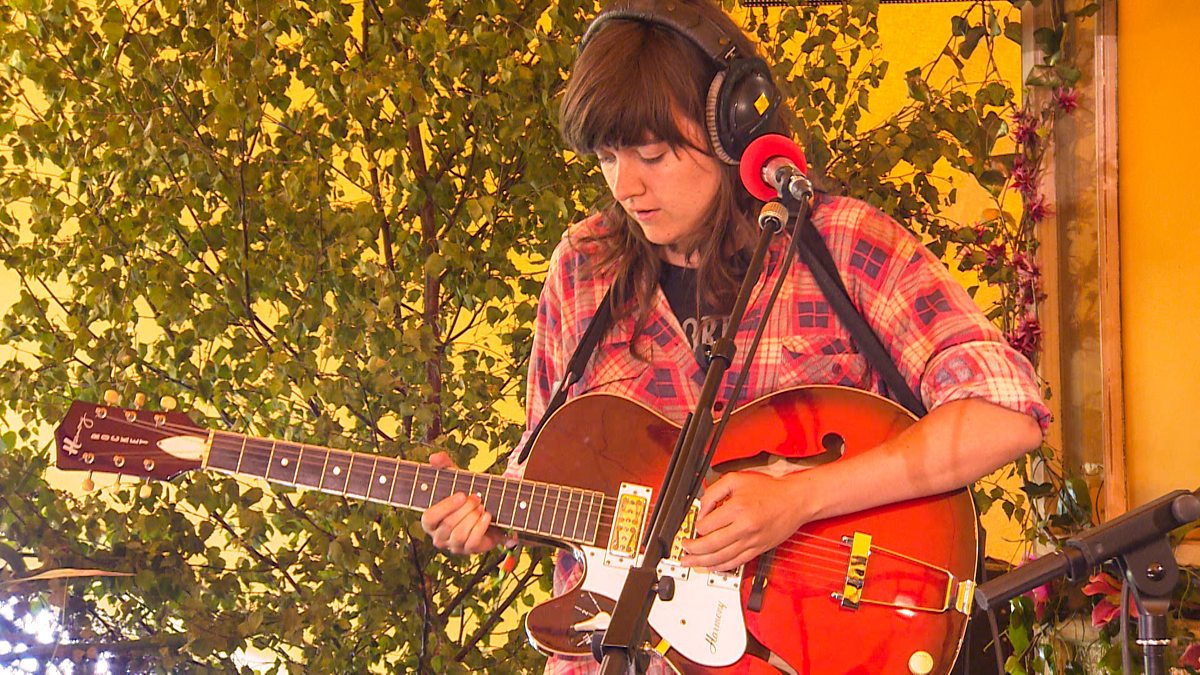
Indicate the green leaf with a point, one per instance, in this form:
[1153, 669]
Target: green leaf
[971, 41]
[1013, 31]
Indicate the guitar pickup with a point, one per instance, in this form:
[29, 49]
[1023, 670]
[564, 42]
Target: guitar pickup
[628, 521]
[856, 571]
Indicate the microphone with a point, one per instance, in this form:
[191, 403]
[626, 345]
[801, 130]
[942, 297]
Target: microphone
[773, 166]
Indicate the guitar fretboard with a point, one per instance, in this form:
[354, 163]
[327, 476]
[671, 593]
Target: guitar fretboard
[553, 511]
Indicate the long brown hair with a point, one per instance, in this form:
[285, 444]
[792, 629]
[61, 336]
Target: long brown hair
[632, 82]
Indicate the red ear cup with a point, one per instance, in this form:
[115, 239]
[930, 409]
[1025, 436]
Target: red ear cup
[762, 150]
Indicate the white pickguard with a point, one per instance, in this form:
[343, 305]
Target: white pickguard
[703, 622]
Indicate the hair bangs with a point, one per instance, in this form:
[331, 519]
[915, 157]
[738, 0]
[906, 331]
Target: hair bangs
[631, 85]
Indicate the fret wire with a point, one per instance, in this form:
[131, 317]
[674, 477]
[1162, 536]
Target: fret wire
[499, 507]
[299, 459]
[578, 512]
[529, 508]
[556, 529]
[241, 454]
[412, 498]
[270, 460]
[542, 511]
[487, 495]
[324, 468]
[371, 480]
[349, 472]
[554, 515]
[433, 490]
[395, 477]
[596, 527]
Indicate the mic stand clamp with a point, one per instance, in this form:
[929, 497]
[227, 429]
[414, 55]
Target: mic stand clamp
[623, 640]
[1153, 572]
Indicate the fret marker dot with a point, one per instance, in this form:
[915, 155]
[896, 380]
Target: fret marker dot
[424, 487]
[337, 470]
[522, 504]
[383, 480]
[283, 462]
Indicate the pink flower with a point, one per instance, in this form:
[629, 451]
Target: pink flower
[1041, 598]
[1028, 274]
[1023, 179]
[1036, 208]
[995, 254]
[1066, 98]
[1039, 595]
[1102, 583]
[1024, 128]
[1191, 656]
[1104, 612]
[1027, 336]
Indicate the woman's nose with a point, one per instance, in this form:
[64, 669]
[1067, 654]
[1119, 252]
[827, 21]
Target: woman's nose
[626, 180]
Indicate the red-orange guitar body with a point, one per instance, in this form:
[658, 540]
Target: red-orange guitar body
[920, 558]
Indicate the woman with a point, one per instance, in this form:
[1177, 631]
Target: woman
[673, 243]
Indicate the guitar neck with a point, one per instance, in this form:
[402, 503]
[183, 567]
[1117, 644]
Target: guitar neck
[549, 511]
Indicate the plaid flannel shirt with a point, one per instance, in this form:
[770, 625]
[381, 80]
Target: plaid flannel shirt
[940, 341]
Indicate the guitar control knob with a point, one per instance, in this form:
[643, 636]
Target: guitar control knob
[665, 588]
[920, 663]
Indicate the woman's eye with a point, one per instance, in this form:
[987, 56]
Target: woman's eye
[654, 159]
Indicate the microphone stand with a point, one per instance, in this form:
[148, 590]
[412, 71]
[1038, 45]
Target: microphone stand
[621, 645]
[1138, 542]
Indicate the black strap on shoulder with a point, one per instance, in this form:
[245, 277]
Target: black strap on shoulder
[583, 353]
[816, 255]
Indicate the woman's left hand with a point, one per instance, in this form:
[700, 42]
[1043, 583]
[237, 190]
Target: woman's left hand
[742, 515]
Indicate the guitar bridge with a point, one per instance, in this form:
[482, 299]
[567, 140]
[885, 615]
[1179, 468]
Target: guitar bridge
[856, 571]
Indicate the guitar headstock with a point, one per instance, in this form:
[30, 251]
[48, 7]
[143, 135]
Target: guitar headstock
[146, 444]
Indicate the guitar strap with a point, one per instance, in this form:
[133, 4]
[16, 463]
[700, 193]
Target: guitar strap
[579, 358]
[816, 256]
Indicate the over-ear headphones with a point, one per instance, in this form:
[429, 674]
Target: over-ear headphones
[742, 97]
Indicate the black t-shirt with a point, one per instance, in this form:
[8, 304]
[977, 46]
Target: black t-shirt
[702, 322]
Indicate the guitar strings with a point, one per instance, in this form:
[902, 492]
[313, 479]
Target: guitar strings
[801, 553]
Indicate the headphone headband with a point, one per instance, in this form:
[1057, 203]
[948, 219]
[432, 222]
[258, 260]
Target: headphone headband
[683, 19]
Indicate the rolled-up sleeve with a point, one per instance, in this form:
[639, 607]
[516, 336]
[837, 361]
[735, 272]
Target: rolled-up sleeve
[944, 346]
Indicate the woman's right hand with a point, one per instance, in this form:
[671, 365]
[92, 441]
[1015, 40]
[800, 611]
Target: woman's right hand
[458, 523]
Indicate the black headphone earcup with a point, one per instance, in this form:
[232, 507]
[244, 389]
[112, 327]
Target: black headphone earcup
[742, 107]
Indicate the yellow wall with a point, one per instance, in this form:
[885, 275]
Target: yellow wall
[1159, 144]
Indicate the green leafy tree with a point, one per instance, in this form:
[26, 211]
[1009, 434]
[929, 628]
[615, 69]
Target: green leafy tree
[314, 221]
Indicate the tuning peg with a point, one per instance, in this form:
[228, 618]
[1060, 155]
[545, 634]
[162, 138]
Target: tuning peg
[167, 403]
[139, 400]
[145, 490]
[111, 397]
[88, 484]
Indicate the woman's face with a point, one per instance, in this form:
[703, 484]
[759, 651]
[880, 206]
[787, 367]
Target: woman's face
[668, 191]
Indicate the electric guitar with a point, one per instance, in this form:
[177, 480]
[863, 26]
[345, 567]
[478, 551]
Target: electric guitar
[886, 590]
